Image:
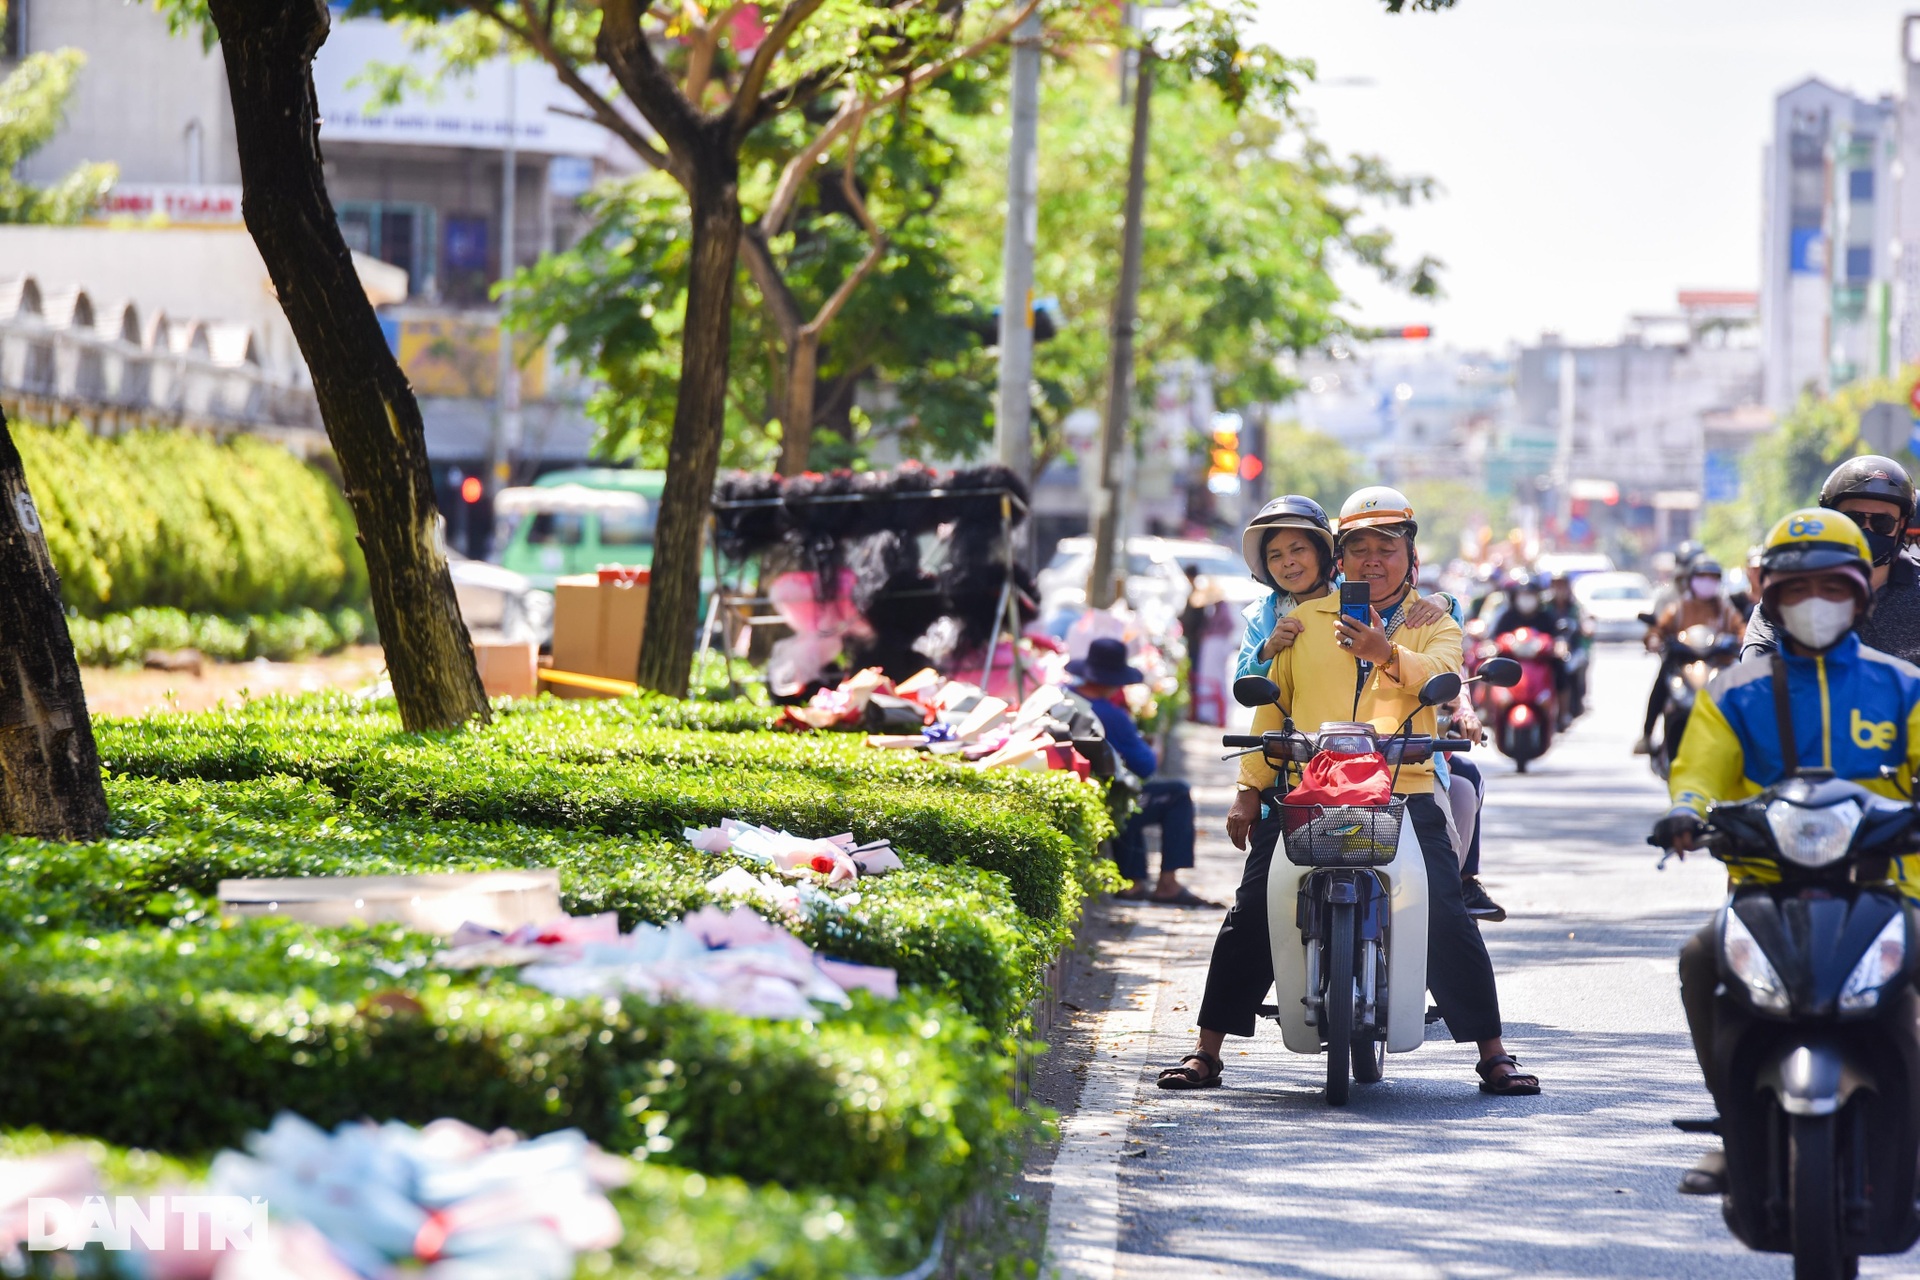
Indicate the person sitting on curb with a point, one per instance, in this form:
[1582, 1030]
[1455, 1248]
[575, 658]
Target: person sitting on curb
[1164, 802]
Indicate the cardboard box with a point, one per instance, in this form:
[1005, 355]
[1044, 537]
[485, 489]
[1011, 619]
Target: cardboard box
[597, 626]
[507, 670]
[436, 902]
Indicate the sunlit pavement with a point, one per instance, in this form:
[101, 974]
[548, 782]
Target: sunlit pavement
[1423, 1176]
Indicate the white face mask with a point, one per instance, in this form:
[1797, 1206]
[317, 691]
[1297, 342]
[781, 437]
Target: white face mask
[1817, 623]
[1526, 602]
[1705, 588]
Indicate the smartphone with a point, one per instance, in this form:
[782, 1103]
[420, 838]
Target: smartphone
[1356, 602]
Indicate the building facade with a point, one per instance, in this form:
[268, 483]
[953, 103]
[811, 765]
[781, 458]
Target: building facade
[1828, 241]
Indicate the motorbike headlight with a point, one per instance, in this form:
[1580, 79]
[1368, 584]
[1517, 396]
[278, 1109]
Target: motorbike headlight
[1813, 837]
[1881, 965]
[1697, 675]
[1747, 962]
[1528, 648]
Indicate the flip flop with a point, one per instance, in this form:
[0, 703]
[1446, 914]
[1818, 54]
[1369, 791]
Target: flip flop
[1185, 898]
[1138, 893]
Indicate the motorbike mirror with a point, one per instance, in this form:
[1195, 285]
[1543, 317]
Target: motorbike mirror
[1444, 687]
[1255, 691]
[1502, 672]
[1646, 619]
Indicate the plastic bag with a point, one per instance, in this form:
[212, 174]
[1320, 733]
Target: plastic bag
[1331, 778]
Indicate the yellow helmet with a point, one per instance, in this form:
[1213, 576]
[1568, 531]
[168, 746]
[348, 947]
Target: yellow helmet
[1815, 540]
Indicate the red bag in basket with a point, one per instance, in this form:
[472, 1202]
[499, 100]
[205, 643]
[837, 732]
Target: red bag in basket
[1334, 779]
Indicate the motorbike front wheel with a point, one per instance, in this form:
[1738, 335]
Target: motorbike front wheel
[1369, 1050]
[1336, 1023]
[1813, 1200]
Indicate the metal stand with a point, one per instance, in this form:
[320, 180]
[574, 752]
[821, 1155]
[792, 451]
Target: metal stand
[727, 597]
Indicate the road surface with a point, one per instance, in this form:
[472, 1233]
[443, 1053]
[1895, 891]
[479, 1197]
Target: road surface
[1423, 1177]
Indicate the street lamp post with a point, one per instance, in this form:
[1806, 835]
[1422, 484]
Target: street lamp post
[1013, 426]
[506, 417]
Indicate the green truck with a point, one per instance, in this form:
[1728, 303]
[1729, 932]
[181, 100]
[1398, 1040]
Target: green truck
[578, 520]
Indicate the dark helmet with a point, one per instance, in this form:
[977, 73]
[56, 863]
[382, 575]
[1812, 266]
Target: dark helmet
[1705, 567]
[1290, 511]
[1869, 476]
[1685, 554]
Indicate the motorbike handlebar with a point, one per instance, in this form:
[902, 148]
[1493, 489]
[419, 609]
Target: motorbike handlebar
[1241, 740]
[1452, 744]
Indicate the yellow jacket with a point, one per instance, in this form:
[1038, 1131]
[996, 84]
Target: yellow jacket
[1317, 677]
[1854, 710]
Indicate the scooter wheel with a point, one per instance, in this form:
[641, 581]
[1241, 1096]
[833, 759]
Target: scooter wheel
[1813, 1199]
[1337, 1009]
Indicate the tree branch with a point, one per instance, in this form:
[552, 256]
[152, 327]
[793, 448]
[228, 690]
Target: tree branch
[599, 110]
[746, 99]
[624, 47]
[767, 277]
[702, 47]
[877, 250]
[794, 175]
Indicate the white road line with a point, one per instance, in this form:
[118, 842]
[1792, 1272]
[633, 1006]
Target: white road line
[1083, 1218]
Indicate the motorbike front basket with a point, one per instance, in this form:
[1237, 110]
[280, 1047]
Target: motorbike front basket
[1343, 835]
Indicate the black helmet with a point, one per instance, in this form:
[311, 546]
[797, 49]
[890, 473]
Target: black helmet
[1685, 554]
[1869, 476]
[1705, 567]
[1290, 511]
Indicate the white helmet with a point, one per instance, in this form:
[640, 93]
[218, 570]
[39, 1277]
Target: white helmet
[1381, 507]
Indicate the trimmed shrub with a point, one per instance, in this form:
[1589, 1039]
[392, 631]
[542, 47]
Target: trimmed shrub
[122, 639]
[173, 518]
[953, 930]
[185, 1039]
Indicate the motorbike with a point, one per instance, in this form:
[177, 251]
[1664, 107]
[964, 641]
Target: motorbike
[1525, 715]
[1688, 665]
[1815, 1032]
[1350, 979]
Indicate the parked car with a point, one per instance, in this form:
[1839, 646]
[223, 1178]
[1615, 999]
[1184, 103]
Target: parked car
[1575, 564]
[577, 521]
[498, 604]
[1615, 601]
[1155, 584]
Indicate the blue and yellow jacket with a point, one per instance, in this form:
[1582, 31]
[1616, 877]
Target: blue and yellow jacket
[1854, 710]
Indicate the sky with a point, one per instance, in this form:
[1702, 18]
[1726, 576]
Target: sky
[1596, 156]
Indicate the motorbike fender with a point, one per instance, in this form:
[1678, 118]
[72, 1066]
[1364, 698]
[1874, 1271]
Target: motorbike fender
[1811, 1079]
[1406, 878]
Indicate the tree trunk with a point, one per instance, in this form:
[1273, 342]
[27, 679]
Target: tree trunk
[796, 427]
[49, 769]
[369, 410]
[699, 416]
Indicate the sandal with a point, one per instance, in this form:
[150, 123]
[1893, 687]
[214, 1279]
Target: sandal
[1185, 898]
[1511, 1083]
[1186, 1077]
[1135, 892]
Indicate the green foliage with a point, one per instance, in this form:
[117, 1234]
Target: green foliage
[122, 639]
[33, 100]
[949, 929]
[1786, 467]
[185, 1039]
[1246, 215]
[597, 768]
[169, 518]
[1301, 460]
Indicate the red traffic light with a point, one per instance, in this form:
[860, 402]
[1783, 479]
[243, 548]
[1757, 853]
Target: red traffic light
[1416, 331]
[1250, 467]
[470, 489]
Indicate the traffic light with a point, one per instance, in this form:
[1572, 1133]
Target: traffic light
[1402, 332]
[1223, 462]
[470, 489]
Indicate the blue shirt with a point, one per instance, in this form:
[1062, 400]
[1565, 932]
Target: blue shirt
[1123, 735]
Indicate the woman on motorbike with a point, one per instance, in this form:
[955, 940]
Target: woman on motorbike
[1335, 668]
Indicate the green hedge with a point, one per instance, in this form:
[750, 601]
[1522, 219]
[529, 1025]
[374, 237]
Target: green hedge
[185, 1039]
[122, 639]
[1039, 830]
[952, 930]
[173, 518]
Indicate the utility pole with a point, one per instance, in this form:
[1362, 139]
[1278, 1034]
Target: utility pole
[506, 391]
[1013, 425]
[1107, 528]
[1563, 445]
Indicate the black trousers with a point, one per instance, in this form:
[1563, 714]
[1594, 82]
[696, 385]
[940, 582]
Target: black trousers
[1459, 972]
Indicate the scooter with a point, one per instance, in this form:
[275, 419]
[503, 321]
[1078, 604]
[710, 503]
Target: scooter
[1524, 716]
[1815, 1031]
[1350, 980]
[1689, 664]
